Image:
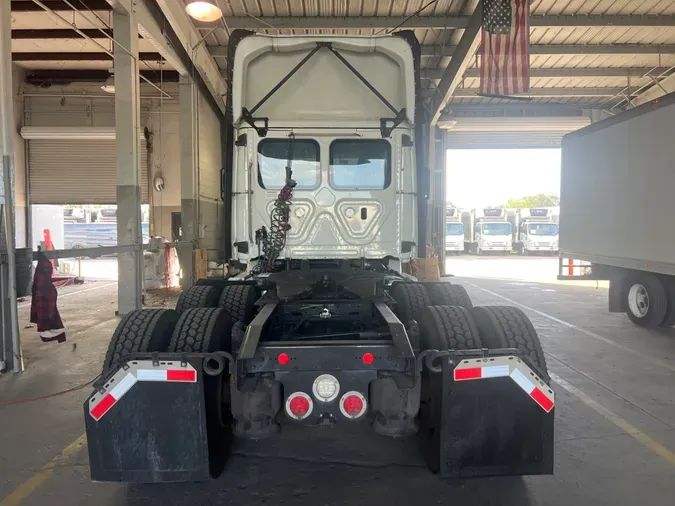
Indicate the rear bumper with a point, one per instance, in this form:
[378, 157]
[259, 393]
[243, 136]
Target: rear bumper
[156, 419]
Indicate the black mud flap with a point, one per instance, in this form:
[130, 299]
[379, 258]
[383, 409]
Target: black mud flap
[489, 417]
[149, 424]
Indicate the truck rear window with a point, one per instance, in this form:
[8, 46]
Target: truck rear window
[275, 154]
[360, 164]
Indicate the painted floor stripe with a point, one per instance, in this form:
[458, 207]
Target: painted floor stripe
[643, 438]
[38, 479]
[598, 337]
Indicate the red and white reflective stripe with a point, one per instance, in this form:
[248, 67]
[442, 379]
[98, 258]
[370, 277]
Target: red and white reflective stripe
[532, 390]
[124, 379]
[188, 375]
[109, 399]
[501, 367]
[491, 371]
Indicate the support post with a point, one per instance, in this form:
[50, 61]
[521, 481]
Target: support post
[188, 179]
[127, 133]
[9, 327]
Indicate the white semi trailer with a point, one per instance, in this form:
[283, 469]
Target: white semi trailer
[618, 183]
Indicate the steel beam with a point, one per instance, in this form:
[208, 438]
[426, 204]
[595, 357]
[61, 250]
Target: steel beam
[189, 131]
[463, 57]
[53, 76]
[437, 22]
[548, 92]
[474, 73]
[57, 5]
[193, 45]
[9, 327]
[77, 56]
[570, 49]
[153, 30]
[127, 134]
[58, 33]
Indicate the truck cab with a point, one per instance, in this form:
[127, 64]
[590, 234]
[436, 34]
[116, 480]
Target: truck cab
[454, 231]
[537, 232]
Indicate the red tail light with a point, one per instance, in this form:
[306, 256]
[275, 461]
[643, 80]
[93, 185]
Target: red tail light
[299, 405]
[353, 404]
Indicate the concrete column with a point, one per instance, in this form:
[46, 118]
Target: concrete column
[440, 173]
[10, 354]
[189, 181]
[127, 131]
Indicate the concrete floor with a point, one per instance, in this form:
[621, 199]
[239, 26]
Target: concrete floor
[615, 429]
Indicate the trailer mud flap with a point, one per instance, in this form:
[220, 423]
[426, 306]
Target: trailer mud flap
[149, 424]
[489, 417]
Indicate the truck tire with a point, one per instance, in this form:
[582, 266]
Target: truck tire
[197, 296]
[646, 300]
[446, 294]
[509, 327]
[448, 328]
[410, 298]
[238, 301]
[669, 320]
[202, 330]
[141, 331]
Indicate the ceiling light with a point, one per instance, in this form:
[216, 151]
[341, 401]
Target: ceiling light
[204, 11]
[109, 86]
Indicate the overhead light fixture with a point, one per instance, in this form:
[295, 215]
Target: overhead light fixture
[109, 86]
[204, 11]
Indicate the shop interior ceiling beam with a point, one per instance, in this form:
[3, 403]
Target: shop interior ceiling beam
[436, 22]
[58, 5]
[150, 29]
[564, 72]
[194, 46]
[78, 56]
[535, 49]
[548, 92]
[454, 72]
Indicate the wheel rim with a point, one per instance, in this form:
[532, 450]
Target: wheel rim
[638, 300]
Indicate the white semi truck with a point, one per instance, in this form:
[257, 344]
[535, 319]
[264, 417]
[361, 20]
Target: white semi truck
[535, 231]
[618, 182]
[487, 230]
[325, 324]
[454, 231]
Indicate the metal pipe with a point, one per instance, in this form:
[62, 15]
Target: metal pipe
[110, 96]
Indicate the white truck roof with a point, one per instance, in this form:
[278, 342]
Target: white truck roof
[320, 90]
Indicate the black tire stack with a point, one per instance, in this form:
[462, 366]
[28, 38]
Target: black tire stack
[198, 297]
[24, 271]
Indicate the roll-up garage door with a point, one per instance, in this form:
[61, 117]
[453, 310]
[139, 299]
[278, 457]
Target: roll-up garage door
[501, 132]
[65, 171]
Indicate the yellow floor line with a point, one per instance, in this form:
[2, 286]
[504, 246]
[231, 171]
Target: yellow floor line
[34, 482]
[643, 438]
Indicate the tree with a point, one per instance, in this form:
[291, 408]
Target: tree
[538, 200]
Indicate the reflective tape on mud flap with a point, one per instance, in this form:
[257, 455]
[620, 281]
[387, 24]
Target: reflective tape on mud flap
[138, 370]
[513, 367]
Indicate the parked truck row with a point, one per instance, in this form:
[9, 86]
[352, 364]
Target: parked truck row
[501, 230]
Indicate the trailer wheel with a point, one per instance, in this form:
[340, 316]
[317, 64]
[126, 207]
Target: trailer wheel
[646, 300]
[239, 300]
[448, 328]
[446, 294]
[141, 331]
[410, 299]
[196, 297]
[509, 327]
[669, 283]
[202, 330]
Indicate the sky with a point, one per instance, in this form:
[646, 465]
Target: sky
[489, 177]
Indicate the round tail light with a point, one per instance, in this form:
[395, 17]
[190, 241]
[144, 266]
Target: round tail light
[299, 405]
[326, 388]
[353, 404]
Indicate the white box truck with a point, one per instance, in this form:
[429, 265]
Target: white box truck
[618, 182]
[487, 230]
[535, 231]
[454, 231]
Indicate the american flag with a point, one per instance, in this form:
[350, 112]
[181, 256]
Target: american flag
[505, 47]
